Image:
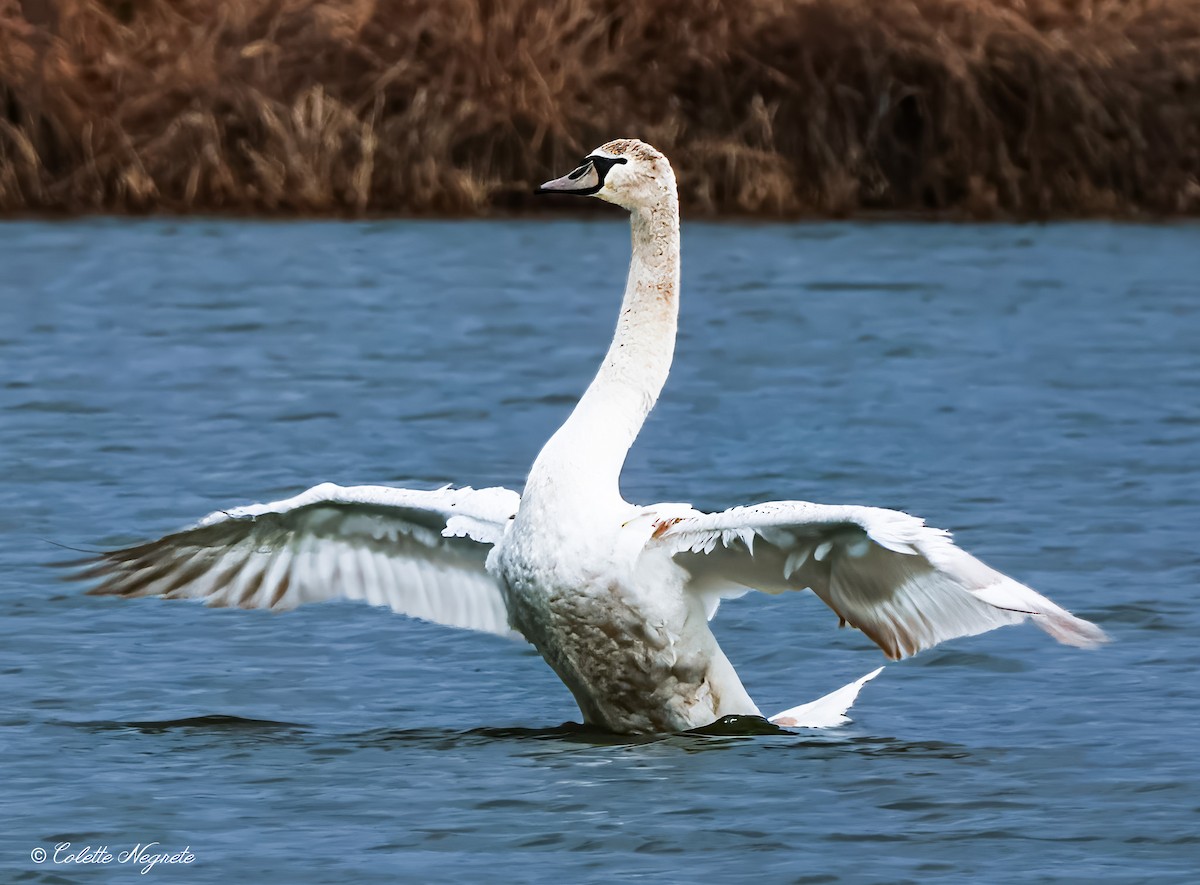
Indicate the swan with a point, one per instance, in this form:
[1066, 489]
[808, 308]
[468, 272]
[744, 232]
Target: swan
[615, 596]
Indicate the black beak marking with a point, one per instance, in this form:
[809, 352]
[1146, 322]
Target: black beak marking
[603, 164]
[600, 164]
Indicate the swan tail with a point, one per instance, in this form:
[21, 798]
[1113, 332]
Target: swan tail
[826, 712]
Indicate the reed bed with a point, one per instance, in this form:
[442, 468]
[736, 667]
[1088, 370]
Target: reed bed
[986, 108]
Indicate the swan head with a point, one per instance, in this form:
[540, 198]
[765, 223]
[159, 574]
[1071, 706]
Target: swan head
[627, 172]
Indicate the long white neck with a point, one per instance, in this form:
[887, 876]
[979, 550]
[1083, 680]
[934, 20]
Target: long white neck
[580, 467]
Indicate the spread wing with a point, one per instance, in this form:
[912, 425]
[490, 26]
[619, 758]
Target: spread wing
[904, 584]
[420, 553]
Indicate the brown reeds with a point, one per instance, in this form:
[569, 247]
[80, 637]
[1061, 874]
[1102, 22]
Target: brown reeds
[1030, 108]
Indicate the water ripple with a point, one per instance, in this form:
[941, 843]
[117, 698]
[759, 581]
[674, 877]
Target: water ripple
[1026, 387]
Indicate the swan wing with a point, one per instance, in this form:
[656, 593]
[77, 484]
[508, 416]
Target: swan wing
[420, 553]
[902, 583]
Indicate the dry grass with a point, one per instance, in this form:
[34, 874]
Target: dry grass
[1031, 108]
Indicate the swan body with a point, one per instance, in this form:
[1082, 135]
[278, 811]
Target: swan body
[616, 597]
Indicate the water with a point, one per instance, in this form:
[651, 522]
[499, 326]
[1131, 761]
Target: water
[1035, 389]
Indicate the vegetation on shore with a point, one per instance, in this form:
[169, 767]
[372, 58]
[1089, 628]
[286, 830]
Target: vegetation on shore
[1025, 108]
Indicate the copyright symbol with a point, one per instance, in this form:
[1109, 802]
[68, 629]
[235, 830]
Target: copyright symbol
[38, 855]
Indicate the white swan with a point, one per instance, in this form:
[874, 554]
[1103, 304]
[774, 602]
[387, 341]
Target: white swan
[616, 597]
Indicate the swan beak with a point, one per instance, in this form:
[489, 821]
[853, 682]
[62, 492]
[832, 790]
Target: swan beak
[583, 182]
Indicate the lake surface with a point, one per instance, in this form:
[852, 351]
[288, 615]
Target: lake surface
[1034, 389]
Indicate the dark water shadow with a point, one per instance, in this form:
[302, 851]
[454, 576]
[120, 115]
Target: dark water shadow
[727, 732]
[215, 724]
[568, 733]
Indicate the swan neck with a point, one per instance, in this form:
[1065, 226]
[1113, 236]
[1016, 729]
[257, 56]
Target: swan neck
[589, 450]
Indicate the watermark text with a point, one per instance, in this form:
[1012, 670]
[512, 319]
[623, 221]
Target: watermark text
[145, 856]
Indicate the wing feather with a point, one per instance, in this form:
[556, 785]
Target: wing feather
[902, 583]
[420, 553]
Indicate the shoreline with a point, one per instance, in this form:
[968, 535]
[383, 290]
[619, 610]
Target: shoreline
[961, 110]
[548, 217]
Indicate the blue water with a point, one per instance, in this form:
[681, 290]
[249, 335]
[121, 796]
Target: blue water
[1034, 389]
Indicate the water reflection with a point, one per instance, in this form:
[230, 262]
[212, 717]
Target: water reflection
[729, 732]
